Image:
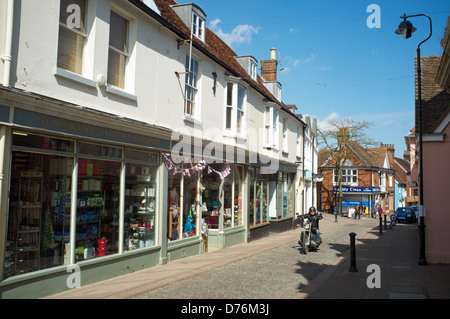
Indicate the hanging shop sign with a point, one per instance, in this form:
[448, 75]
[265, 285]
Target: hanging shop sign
[200, 166]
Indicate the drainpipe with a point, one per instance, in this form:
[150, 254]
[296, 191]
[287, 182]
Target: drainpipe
[8, 42]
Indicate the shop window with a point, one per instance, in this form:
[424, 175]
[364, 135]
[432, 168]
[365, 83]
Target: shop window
[100, 150]
[97, 208]
[258, 197]
[189, 206]
[238, 178]
[174, 206]
[27, 140]
[72, 35]
[39, 208]
[210, 197]
[140, 206]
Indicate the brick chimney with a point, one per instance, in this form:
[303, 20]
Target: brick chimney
[269, 67]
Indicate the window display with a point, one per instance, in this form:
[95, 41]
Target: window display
[140, 206]
[39, 203]
[258, 199]
[182, 205]
[174, 206]
[39, 220]
[210, 197]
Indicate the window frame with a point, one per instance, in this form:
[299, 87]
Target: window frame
[235, 111]
[198, 26]
[83, 34]
[125, 53]
[285, 135]
[345, 176]
[271, 127]
[190, 78]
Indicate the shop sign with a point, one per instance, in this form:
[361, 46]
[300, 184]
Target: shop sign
[62, 125]
[358, 189]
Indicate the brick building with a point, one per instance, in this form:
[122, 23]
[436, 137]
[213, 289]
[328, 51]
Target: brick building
[367, 178]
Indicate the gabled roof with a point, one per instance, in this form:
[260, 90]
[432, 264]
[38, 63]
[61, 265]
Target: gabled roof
[369, 157]
[401, 167]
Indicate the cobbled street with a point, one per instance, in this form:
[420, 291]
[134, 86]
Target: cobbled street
[275, 274]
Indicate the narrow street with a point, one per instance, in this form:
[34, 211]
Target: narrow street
[276, 273]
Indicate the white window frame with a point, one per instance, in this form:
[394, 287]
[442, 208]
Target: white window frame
[271, 119]
[347, 172]
[198, 26]
[192, 82]
[125, 53]
[285, 135]
[298, 142]
[83, 34]
[232, 110]
[253, 71]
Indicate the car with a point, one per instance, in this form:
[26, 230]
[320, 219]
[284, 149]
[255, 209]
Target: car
[406, 215]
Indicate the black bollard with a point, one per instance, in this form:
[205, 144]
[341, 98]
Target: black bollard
[381, 226]
[385, 222]
[352, 253]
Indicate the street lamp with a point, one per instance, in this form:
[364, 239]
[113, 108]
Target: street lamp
[405, 29]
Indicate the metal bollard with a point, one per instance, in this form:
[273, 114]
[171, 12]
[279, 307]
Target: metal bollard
[352, 253]
[385, 222]
[381, 226]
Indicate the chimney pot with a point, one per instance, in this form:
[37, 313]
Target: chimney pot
[273, 54]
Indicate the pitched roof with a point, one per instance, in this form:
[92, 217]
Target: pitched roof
[401, 167]
[216, 49]
[435, 100]
[369, 157]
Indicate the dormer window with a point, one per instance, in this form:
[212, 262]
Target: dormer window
[253, 71]
[249, 64]
[193, 17]
[198, 26]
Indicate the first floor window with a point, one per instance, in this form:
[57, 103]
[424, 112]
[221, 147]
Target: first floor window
[235, 109]
[349, 176]
[271, 127]
[191, 87]
[72, 35]
[118, 50]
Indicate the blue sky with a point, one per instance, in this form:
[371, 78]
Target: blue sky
[335, 66]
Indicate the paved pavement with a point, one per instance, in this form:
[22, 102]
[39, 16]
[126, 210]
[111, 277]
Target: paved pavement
[394, 254]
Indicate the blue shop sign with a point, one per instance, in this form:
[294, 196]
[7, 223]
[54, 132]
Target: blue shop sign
[364, 190]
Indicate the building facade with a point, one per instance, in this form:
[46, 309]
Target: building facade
[130, 136]
[367, 179]
[436, 150]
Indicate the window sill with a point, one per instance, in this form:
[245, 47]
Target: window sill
[68, 75]
[119, 92]
[271, 148]
[192, 120]
[239, 137]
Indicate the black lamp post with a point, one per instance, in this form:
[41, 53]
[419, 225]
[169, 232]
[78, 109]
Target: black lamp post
[405, 29]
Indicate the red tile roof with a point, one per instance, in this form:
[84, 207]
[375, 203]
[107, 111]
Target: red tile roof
[213, 47]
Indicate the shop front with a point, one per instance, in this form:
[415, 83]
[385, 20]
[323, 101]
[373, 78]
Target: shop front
[79, 194]
[353, 196]
[205, 202]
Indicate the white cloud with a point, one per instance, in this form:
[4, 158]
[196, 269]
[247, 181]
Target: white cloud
[242, 33]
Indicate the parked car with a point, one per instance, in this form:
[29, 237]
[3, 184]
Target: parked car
[405, 215]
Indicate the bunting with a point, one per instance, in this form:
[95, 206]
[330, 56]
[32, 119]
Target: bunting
[187, 172]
